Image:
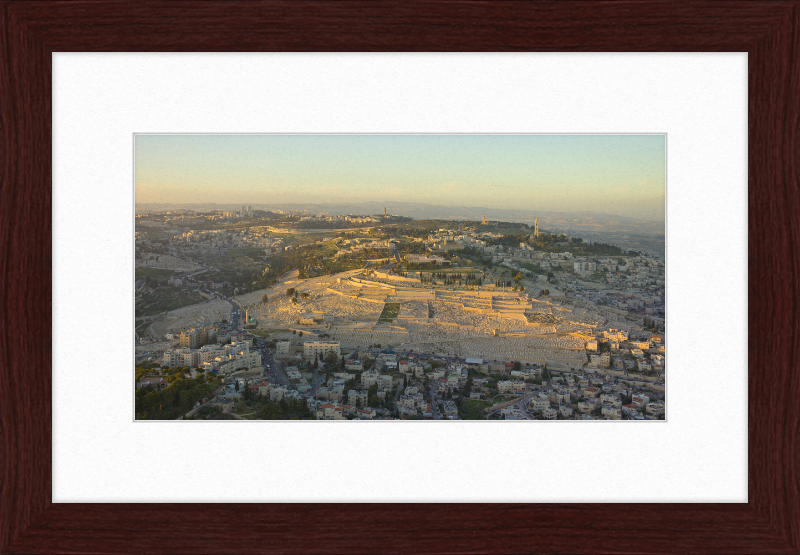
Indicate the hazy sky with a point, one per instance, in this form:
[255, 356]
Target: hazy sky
[617, 174]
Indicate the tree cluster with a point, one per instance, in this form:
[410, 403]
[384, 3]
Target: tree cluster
[172, 402]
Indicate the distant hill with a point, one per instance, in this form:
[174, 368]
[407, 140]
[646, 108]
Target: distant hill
[597, 222]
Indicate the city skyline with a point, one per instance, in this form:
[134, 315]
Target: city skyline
[615, 174]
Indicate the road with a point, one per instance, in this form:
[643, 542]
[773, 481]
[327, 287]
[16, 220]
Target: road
[272, 367]
[525, 400]
[435, 407]
[317, 380]
[396, 397]
[235, 310]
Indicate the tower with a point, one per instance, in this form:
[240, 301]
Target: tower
[484, 219]
[536, 228]
[384, 211]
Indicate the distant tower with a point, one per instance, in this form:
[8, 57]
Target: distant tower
[536, 228]
[384, 211]
[484, 219]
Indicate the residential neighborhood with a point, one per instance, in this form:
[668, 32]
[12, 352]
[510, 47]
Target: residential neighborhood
[390, 342]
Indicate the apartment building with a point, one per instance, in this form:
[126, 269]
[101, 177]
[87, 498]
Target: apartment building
[354, 365]
[322, 348]
[611, 412]
[508, 386]
[549, 413]
[612, 400]
[197, 337]
[181, 357]
[369, 378]
[539, 404]
[243, 360]
[591, 392]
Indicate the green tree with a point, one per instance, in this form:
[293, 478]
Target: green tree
[331, 359]
[185, 397]
[264, 299]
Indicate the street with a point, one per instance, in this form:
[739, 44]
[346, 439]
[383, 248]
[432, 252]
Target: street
[435, 408]
[272, 367]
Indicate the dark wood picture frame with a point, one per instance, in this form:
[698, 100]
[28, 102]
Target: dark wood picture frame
[31, 30]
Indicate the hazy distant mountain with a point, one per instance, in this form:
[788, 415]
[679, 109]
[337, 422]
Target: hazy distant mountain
[554, 221]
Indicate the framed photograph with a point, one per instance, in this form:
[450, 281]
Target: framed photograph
[88, 96]
[385, 298]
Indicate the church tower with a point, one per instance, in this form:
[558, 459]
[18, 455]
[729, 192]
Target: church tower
[536, 228]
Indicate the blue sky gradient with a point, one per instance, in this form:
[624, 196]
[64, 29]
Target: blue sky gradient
[617, 174]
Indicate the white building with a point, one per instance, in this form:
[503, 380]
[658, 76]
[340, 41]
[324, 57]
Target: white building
[282, 347]
[369, 378]
[611, 412]
[181, 357]
[276, 393]
[549, 413]
[242, 360]
[508, 386]
[355, 397]
[322, 348]
[611, 400]
[539, 404]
